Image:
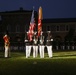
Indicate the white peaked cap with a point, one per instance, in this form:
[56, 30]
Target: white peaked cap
[5, 35]
[49, 31]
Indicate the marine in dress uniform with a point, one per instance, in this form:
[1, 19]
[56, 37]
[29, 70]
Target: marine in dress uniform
[7, 45]
[27, 46]
[35, 45]
[41, 45]
[49, 44]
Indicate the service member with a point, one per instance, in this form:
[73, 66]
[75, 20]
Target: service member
[28, 46]
[49, 44]
[7, 45]
[41, 45]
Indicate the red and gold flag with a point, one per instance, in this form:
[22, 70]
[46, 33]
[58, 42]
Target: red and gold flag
[39, 21]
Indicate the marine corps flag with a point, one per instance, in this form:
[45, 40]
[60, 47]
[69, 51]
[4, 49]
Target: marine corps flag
[31, 27]
[39, 21]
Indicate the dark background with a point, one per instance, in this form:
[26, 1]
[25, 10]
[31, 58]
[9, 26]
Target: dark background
[51, 8]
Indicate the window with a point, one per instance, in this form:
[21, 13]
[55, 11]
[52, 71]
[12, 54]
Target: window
[25, 28]
[66, 28]
[18, 28]
[75, 28]
[9, 28]
[48, 28]
[57, 28]
[0, 18]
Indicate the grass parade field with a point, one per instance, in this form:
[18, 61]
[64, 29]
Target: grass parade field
[62, 63]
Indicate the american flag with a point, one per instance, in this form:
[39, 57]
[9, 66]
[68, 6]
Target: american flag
[31, 27]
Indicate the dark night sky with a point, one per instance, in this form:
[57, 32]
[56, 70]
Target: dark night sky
[51, 8]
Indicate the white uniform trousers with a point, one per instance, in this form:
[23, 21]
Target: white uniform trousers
[49, 49]
[28, 50]
[7, 51]
[41, 49]
[35, 51]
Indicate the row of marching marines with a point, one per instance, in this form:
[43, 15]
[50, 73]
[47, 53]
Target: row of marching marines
[37, 44]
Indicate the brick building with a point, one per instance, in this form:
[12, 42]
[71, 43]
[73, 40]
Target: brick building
[63, 31]
[17, 23]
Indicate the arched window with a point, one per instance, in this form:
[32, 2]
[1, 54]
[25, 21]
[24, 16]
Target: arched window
[17, 28]
[25, 28]
[66, 28]
[9, 28]
[0, 18]
[48, 28]
[57, 28]
[75, 28]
